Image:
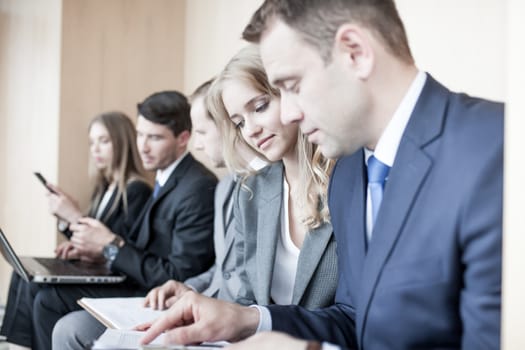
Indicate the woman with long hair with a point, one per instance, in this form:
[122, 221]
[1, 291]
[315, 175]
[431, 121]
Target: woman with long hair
[284, 242]
[120, 186]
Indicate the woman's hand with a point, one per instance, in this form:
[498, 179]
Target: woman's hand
[62, 205]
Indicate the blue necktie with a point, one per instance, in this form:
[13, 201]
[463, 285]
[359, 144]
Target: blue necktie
[156, 189]
[377, 174]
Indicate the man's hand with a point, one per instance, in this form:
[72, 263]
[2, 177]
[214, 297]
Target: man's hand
[195, 318]
[67, 251]
[89, 238]
[163, 297]
[269, 341]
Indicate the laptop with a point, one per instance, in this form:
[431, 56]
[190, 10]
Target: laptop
[54, 270]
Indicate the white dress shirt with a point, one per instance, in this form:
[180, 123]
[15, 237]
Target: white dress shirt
[163, 175]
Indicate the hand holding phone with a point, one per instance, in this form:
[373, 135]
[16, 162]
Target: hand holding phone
[44, 182]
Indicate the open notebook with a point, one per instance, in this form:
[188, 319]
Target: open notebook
[53, 270]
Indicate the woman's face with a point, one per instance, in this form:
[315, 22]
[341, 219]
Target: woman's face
[257, 116]
[100, 146]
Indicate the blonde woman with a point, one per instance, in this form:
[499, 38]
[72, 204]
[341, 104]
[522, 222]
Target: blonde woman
[285, 248]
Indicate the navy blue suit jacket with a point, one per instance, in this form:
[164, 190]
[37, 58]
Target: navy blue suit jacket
[431, 278]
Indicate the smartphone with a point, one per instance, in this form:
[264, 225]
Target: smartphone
[44, 182]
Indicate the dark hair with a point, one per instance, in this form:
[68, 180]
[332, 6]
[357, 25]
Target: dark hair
[318, 21]
[169, 108]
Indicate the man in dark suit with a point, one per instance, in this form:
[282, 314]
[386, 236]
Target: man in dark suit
[416, 203]
[78, 329]
[171, 239]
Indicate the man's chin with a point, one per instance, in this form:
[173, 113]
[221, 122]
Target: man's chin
[149, 167]
[329, 151]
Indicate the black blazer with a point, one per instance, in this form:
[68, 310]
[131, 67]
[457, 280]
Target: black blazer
[173, 237]
[121, 221]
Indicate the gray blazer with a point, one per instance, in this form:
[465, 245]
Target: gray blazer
[257, 218]
[221, 280]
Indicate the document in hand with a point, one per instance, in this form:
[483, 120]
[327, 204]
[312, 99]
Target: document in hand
[126, 339]
[119, 313]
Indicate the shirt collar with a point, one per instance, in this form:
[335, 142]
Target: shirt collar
[163, 175]
[386, 148]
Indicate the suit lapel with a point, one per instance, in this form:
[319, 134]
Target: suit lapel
[269, 227]
[178, 172]
[224, 216]
[411, 167]
[104, 215]
[347, 209]
[311, 254]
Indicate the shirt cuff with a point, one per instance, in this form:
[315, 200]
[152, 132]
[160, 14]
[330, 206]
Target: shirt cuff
[328, 346]
[265, 319]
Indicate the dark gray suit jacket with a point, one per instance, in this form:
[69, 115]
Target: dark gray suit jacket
[257, 217]
[173, 238]
[221, 280]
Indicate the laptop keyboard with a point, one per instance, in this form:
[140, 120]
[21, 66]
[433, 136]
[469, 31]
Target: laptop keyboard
[59, 267]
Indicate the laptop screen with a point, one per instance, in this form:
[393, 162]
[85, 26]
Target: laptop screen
[11, 258]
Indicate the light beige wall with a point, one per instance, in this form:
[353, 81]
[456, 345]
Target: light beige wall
[213, 35]
[62, 62]
[29, 108]
[114, 54]
[514, 218]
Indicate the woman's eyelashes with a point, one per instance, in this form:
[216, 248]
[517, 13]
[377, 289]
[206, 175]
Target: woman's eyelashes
[261, 106]
[239, 124]
[257, 107]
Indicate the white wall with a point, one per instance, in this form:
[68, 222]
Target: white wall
[514, 218]
[460, 42]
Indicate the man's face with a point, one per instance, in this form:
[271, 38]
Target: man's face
[157, 145]
[206, 136]
[327, 100]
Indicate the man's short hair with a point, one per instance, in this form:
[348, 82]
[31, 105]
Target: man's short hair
[318, 21]
[169, 108]
[202, 91]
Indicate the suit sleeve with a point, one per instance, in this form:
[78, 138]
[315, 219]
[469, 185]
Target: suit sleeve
[481, 225]
[334, 324]
[191, 250]
[201, 282]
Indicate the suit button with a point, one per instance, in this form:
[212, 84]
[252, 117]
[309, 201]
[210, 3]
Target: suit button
[226, 275]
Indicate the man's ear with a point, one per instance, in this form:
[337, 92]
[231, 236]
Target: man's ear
[183, 138]
[352, 44]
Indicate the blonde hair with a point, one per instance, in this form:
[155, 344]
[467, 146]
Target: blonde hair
[126, 165]
[314, 168]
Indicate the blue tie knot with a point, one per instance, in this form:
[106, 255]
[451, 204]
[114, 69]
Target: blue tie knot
[377, 171]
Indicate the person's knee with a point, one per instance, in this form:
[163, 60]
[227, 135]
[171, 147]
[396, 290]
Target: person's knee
[64, 334]
[42, 301]
[76, 330]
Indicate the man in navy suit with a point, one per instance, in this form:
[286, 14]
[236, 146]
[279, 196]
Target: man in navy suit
[415, 198]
